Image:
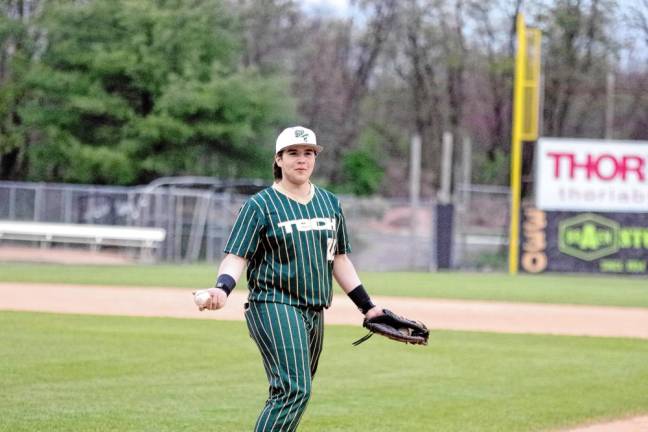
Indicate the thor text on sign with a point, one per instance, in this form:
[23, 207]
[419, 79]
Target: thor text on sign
[604, 166]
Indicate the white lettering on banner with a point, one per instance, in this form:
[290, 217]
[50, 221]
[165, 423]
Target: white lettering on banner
[315, 224]
[591, 175]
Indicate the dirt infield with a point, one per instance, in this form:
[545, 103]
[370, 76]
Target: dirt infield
[437, 314]
[59, 255]
[635, 424]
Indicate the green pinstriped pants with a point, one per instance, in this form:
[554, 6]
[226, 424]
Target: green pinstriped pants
[290, 341]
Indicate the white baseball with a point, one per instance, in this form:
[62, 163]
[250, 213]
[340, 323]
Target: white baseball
[202, 298]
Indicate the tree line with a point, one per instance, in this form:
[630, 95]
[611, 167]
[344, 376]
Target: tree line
[122, 92]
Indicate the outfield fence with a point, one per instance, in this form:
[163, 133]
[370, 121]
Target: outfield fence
[387, 234]
[482, 215]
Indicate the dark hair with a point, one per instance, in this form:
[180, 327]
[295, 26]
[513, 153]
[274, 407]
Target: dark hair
[276, 169]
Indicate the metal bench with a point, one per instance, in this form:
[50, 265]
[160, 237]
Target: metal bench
[146, 239]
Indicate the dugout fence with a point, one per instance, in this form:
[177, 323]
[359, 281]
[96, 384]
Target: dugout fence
[387, 234]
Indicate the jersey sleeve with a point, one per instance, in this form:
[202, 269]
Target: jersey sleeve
[245, 236]
[343, 245]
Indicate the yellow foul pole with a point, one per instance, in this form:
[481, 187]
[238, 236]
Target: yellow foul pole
[516, 145]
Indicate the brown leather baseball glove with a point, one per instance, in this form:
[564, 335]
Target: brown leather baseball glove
[397, 328]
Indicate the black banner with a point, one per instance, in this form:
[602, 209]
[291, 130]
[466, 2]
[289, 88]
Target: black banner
[584, 242]
[444, 232]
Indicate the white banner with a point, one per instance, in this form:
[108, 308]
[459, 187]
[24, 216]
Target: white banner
[593, 175]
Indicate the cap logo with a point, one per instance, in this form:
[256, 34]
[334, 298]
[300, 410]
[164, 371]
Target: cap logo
[301, 133]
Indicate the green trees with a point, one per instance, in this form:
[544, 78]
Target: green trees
[128, 90]
[17, 47]
[124, 91]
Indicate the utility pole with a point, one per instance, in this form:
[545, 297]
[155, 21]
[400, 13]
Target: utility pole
[415, 194]
[609, 105]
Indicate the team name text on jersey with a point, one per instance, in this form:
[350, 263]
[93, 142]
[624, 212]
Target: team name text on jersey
[315, 224]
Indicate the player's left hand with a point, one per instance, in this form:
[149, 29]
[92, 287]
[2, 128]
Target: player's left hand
[374, 312]
[395, 327]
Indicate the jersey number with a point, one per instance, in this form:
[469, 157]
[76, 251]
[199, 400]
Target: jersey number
[331, 245]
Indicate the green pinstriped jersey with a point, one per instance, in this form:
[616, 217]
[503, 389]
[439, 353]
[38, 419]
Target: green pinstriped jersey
[290, 246]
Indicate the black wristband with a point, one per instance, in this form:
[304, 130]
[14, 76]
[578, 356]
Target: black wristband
[226, 283]
[359, 296]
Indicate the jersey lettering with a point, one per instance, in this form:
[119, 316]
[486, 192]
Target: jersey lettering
[331, 246]
[291, 249]
[315, 224]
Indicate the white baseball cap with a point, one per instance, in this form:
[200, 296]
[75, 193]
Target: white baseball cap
[297, 135]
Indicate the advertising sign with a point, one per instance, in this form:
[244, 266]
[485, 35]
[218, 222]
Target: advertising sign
[584, 242]
[591, 175]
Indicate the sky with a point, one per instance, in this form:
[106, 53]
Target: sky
[636, 48]
[333, 7]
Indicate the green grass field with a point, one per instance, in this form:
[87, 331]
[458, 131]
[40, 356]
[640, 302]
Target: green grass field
[88, 373]
[568, 289]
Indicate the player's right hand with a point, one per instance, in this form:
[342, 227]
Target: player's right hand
[218, 299]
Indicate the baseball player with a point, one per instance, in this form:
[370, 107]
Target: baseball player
[293, 239]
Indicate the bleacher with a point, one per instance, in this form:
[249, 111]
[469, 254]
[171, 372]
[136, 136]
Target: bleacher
[143, 238]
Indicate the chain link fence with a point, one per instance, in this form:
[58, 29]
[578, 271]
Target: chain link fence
[386, 234]
[390, 235]
[481, 227]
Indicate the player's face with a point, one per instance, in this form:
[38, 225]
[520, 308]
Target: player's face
[297, 163]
